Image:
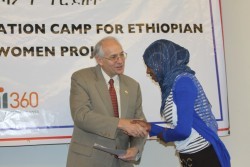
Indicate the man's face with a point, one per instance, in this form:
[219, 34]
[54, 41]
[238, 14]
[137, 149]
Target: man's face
[111, 67]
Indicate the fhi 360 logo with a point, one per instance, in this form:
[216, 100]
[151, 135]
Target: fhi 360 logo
[17, 100]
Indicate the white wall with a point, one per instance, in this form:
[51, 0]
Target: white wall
[237, 40]
[237, 44]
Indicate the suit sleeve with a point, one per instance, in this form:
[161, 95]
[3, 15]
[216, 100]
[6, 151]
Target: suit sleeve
[138, 141]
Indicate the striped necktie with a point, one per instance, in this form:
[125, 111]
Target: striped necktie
[113, 97]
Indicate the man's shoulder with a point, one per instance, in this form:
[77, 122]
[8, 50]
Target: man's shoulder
[85, 74]
[85, 71]
[128, 79]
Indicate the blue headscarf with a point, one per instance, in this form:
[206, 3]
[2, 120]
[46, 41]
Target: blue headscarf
[167, 60]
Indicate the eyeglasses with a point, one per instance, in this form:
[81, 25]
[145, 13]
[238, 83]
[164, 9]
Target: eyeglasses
[115, 57]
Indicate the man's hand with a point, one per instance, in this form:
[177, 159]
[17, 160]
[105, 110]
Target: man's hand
[130, 155]
[144, 124]
[132, 129]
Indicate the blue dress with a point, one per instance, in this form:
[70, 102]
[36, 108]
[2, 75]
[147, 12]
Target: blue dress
[193, 111]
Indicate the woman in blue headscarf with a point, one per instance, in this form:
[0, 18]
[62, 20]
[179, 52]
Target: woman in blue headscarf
[185, 107]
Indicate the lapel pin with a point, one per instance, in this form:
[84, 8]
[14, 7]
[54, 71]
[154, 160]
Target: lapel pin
[126, 91]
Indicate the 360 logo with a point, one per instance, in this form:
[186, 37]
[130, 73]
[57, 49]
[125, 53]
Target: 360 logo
[16, 100]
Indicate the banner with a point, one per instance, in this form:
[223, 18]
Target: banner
[44, 42]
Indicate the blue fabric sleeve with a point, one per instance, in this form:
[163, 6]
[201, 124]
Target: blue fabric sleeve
[184, 95]
[155, 130]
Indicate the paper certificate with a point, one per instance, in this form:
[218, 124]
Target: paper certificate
[109, 150]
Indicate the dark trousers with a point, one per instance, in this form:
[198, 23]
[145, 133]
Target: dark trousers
[204, 158]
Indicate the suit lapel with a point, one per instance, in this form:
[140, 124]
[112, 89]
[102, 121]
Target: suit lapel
[104, 93]
[124, 95]
[103, 90]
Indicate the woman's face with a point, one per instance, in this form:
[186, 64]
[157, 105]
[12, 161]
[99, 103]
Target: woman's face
[151, 73]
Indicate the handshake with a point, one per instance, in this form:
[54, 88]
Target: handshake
[142, 123]
[135, 128]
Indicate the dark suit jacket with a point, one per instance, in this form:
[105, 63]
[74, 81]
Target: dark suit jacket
[92, 113]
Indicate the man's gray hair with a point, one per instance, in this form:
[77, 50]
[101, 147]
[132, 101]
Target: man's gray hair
[98, 50]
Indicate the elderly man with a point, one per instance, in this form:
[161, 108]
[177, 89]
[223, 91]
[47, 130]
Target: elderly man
[103, 102]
